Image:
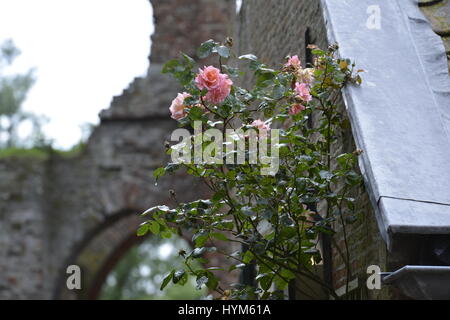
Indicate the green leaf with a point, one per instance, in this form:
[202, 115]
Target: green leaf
[142, 230]
[264, 79]
[166, 234]
[178, 275]
[188, 59]
[233, 72]
[251, 57]
[248, 257]
[343, 159]
[206, 48]
[200, 238]
[171, 167]
[154, 227]
[212, 281]
[219, 236]
[170, 66]
[352, 178]
[219, 195]
[287, 274]
[198, 252]
[203, 280]
[318, 52]
[195, 113]
[163, 209]
[166, 280]
[265, 281]
[278, 92]
[223, 51]
[158, 173]
[327, 175]
[280, 283]
[202, 260]
[183, 280]
[214, 268]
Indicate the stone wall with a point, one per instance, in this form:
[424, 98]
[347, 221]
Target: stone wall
[56, 211]
[283, 27]
[23, 229]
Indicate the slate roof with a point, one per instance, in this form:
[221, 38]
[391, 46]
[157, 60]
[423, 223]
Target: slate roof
[401, 114]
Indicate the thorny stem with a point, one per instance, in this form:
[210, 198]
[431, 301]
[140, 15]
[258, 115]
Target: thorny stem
[349, 271]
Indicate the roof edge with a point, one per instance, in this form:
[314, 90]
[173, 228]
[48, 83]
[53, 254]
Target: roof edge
[406, 175]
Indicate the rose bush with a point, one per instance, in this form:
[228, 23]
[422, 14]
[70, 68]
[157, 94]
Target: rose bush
[274, 218]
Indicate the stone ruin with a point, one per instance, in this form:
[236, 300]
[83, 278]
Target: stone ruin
[59, 211]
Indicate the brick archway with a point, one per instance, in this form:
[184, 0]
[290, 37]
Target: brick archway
[98, 253]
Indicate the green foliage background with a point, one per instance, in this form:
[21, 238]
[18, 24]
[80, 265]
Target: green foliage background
[127, 281]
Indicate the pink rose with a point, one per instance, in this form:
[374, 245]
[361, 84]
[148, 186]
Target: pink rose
[302, 90]
[294, 62]
[261, 126]
[219, 94]
[296, 108]
[177, 108]
[208, 78]
[217, 84]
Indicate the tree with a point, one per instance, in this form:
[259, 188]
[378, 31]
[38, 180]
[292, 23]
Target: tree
[13, 92]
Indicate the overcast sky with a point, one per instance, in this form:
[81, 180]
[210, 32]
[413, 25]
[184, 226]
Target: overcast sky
[84, 52]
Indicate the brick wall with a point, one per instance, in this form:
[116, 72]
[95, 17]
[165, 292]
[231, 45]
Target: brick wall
[182, 25]
[282, 27]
